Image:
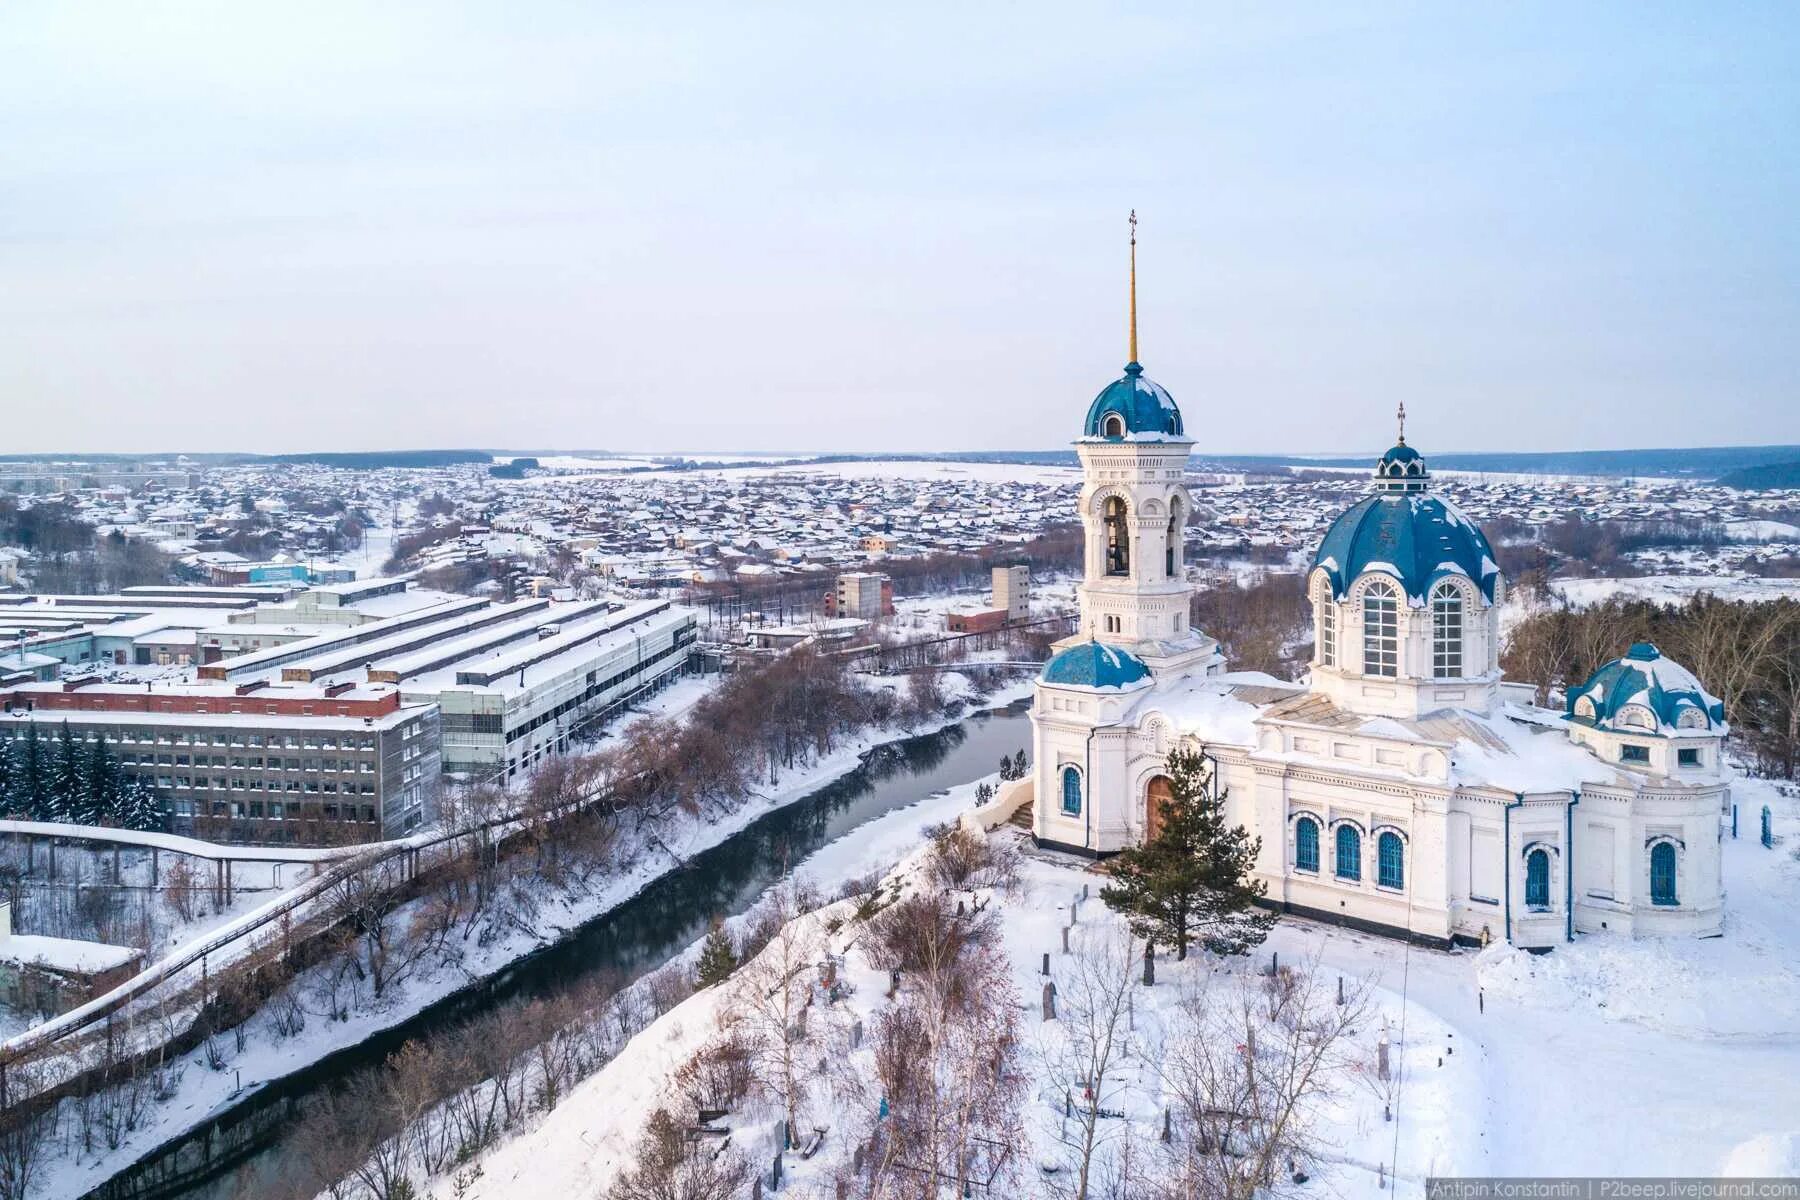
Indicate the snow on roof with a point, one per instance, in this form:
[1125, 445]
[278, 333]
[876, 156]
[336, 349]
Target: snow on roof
[1219, 710]
[64, 954]
[1535, 758]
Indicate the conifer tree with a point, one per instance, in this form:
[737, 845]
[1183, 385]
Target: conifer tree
[1020, 766]
[1192, 881]
[66, 779]
[717, 959]
[136, 807]
[100, 786]
[12, 797]
[34, 776]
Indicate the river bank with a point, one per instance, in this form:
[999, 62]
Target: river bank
[206, 1096]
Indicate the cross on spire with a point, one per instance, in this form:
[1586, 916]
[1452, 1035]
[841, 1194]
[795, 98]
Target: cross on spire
[1133, 354]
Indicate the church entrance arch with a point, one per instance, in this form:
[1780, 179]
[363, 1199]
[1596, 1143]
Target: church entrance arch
[1158, 792]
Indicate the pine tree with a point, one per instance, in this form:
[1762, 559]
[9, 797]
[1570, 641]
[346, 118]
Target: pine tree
[137, 807]
[717, 959]
[101, 785]
[65, 779]
[13, 802]
[34, 777]
[1192, 882]
[1020, 766]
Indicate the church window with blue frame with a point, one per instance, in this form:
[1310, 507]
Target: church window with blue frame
[1381, 631]
[1306, 845]
[1071, 789]
[1537, 880]
[1390, 861]
[1349, 852]
[1662, 874]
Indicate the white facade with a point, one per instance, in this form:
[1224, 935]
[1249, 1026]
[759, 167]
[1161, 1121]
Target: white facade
[1401, 789]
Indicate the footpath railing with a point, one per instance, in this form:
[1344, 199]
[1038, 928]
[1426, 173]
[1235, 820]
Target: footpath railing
[406, 858]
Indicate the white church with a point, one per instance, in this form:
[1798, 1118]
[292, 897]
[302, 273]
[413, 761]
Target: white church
[1403, 788]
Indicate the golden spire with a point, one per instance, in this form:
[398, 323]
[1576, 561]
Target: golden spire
[1134, 356]
[1402, 422]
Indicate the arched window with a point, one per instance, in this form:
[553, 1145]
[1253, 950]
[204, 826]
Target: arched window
[1306, 845]
[1635, 716]
[1381, 631]
[1173, 542]
[1071, 788]
[1662, 874]
[1118, 537]
[1115, 426]
[1390, 868]
[1349, 852]
[1327, 628]
[1537, 880]
[1446, 632]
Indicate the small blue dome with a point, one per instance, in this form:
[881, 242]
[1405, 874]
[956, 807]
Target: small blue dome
[1401, 469]
[1644, 679]
[1141, 404]
[1093, 664]
[1414, 537]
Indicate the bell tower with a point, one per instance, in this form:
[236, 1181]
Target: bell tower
[1134, 508]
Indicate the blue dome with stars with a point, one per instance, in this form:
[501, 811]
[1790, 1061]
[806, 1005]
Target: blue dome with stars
[1144, 409]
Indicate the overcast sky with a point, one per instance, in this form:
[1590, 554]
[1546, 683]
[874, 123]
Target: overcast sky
[681, 226]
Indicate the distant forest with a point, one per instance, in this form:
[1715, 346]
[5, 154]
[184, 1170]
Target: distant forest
[1765, 478]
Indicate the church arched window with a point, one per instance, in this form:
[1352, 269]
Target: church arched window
[1172, 543]
[1114, 426]
[1537, 880]
[1349, 852]
[1446, 632]
[1071, 791]
[1327, 626]
[1381, 630]
[1390, 864]
[1662, 874]
[1306, 845]
[1118, 537]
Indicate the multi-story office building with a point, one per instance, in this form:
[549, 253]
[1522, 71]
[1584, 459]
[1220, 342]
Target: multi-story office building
[306, 765]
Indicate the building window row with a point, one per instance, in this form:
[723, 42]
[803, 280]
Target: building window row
[1390, 854]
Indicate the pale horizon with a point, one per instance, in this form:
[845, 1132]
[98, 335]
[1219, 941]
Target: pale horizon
[232, 229]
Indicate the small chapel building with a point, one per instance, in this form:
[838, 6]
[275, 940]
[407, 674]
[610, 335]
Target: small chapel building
[1402, 788]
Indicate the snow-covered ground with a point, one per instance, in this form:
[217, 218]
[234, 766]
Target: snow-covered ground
[204, 1092]
[1676, 589]
[1608, 1056]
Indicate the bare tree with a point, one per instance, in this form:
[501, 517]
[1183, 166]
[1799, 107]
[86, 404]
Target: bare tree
[772, 991]
[1248, 1069]
[1084, 1046]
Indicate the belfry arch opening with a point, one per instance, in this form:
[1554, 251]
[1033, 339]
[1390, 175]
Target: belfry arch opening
[1114, 516]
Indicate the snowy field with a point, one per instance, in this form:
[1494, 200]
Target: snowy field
[1608, 1056]
[1676, 589]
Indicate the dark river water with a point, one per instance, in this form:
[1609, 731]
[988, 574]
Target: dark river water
[246, 1145]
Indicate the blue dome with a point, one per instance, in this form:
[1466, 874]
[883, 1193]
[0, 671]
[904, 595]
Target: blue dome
[1142, 405]
[1094, 665]
[1645, 679]
[1415, 537]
